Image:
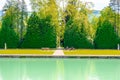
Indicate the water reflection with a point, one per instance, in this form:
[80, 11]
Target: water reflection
[0, 75]
[91, 73]
[59, 69]
[24, 72]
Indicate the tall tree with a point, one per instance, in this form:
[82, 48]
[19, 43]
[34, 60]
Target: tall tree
[49, 8]
[19, 15]
[108, 13]
[23, 17]
[7, 32]
[13, 8]
[106, 36]
[77, 25]
[40, 33]
[32, 37]
[93, 27]
[75, 36]
[0, 24]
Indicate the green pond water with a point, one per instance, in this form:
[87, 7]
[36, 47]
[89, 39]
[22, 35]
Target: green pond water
[59, 69]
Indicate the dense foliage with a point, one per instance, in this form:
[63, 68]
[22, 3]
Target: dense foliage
[75, 37]
[0, 24]
[32, 37]
[18, 11]
[7, 33]
[77, 24]
[40, 33]
[106, 37]
[50, 24]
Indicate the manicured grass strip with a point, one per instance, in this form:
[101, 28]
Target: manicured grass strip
[92, 52]
[26, 52]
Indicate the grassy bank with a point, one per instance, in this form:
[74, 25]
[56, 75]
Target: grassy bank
[39, 52]
[92, 52]
[27, 52]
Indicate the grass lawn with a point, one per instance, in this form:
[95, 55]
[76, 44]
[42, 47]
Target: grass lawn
[26, 52]
[92, 52]
[39, 52]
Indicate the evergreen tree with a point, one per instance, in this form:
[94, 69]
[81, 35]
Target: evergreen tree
[40, 33]
[50, 8]
[48, 33]
[75, 36]
[32, 38]
[12, 7]
[18, 15]
[106, 37]
[77, 26]
[47, 8]
[7, 33]
[18, 10]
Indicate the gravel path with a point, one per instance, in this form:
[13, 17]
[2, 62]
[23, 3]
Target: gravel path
[58, 53]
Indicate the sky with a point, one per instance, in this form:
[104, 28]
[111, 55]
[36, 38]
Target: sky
[98, 4]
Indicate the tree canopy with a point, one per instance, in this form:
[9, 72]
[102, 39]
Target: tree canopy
[55, 23]
[77, 26]
[7, 32]
[40, 33]
[106, 36]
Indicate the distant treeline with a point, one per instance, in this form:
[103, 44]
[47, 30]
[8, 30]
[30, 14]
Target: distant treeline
[51, 26]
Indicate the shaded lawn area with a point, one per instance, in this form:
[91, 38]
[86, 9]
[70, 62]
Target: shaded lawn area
[26, 52]
[86, 52]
